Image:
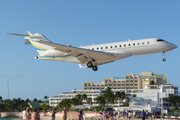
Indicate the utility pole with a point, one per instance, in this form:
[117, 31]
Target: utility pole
[8, 87]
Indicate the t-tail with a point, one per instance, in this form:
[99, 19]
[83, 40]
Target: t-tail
[33, 39]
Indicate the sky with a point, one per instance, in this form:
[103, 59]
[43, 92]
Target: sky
[76, 23]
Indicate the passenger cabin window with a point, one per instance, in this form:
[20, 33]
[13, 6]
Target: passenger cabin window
[133, 44]
[97, 48]
[106, 47]
[101, 48]
[111, 47]
[119, 45]
[115, 46]
[129, 44]
[142, 43]
[124, 45]
[138, 44]
[147, 42]
[92, 48]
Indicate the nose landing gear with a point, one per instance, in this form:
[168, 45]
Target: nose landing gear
[164, 59]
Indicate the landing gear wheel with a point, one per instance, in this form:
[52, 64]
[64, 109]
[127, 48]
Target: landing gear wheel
[164, 59]
[94, 68]
[89, 64]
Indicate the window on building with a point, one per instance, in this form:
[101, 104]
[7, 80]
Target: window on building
[119, 81]
[123, 81]
[131, 78]
[135, 78]
[127, 77]
[119, 85]
[127, 85]
[114, 85]
[127, 81]
[114, 81]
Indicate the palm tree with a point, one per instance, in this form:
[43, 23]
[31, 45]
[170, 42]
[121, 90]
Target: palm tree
[75, 101]
[84, 97]
[118, 96]
[109, 95]
[101, 100]
[35, 100]
[46, 97]
[171, 100]
[79, 97]
[89, 101]
[1, 99]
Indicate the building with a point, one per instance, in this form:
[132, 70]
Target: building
[153, 97]
[130, 81]
[53, 101]
[151, 91]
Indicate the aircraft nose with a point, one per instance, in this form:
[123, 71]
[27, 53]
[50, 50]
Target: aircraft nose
[173, 46]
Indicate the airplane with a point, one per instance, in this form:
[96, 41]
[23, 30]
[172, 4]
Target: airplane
[95, 55]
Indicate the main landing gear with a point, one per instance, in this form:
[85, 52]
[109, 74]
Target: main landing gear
[164, 59]
[90, 65]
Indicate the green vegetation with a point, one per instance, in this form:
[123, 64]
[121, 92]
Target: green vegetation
[174, 101]
[18, 104]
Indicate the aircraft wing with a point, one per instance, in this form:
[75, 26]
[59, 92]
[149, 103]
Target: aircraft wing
[80, 53]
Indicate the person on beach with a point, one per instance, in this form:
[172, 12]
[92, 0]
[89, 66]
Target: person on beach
[65, 110]
[79, 115]
[38, 115]
[153, 114]
[24, 111]
[129, 115]
[53, 114]
[83, 115]
[27, 114]
[143, 115]
[34, 114]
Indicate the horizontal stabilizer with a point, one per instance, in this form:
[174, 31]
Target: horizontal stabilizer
[16, 34]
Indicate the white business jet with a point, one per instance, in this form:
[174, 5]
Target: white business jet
[95, 55]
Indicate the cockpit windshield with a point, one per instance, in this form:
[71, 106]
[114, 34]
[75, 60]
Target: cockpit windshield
[160, 40]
